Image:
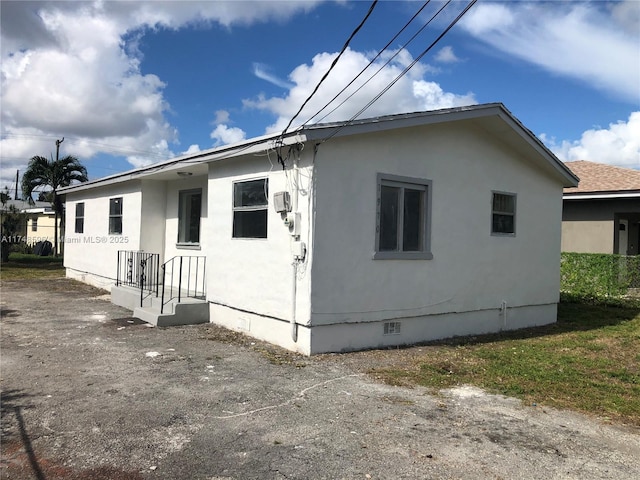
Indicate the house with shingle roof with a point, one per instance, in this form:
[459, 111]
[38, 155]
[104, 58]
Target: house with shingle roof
[602, 214]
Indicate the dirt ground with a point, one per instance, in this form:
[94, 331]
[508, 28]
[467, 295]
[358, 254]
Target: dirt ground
[90, 393]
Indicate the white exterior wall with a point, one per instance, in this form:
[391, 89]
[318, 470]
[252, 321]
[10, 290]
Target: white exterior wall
[471, 270]
[91, 256]
[153, 217]
[250, 281]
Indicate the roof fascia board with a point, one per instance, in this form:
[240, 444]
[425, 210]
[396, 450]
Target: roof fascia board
[599, 196]
[535, 143]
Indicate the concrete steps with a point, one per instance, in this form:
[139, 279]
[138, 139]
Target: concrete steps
[188, 311]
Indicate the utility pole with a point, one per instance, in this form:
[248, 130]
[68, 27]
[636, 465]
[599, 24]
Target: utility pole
[58, 142]
[15, 197]
[55, 200]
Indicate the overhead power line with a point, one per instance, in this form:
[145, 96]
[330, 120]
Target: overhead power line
[404, 72]
[333, 64]
[378, 55]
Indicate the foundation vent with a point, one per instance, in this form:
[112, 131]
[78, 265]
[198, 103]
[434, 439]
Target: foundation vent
[392, 328]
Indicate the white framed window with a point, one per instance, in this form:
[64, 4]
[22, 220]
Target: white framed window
[115, 216]
[189, 212]
[250, 207]
[403, 227]
[79, 226]
[34, 224]
[503, 214]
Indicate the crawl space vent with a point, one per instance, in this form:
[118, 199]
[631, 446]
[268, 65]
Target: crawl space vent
[392, 328]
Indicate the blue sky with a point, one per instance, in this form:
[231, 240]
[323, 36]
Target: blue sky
[131, 83]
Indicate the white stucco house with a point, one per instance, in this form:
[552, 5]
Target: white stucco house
[383, 231]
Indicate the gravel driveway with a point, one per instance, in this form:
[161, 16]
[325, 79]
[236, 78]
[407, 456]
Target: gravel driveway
[90, 393]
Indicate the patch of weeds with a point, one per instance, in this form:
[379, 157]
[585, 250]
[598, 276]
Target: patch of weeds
[277, 356]
[394, 399]
[588, 362]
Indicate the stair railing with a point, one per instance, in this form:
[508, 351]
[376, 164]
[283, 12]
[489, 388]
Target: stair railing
[139, 269]
[191, 272]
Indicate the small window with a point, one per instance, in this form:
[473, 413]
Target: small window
[250, 208]
[392, 328]
[79, 217]
[503, 214]
[115, 216]
[34, 224]
[189, 209]
[403, 225]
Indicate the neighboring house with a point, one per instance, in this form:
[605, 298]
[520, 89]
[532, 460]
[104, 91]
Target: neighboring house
[40, 225]
[602, 214]
[29, 210]
[343, 236]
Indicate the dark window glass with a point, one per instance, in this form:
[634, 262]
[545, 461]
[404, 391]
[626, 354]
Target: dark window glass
[503, 203]
[413, 221]
[504, 213]
[250, 208]
[389, 204]
[79, 227]
[250, 194]
[115, 216]
[503, 223]
[190, 204]
[250, 224]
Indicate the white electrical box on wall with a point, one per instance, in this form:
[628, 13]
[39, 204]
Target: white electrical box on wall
[299, 250]
[281, 202]
[292, 222]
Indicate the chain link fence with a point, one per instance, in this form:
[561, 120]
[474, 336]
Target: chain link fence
[599, 276]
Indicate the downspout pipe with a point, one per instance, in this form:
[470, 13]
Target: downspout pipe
[294, 293]
[294, 262]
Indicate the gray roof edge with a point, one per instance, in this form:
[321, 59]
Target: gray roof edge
[324, 130]
[401, 120]
[571, 178]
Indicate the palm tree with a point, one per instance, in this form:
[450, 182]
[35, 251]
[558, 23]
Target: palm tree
[54, 174]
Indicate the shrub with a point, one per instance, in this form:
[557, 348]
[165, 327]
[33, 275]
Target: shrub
[598, 275]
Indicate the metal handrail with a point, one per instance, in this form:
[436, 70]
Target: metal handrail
[195, 269]
[139, 269]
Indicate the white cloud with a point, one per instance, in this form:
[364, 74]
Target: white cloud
[588, 42]
[446, 55]
[411, 93]
[223, 135]
[67, 71]
[192, 149]
[619, 144]
[222, 116]
[261, 71]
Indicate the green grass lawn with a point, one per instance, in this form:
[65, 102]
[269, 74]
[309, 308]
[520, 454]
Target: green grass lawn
[23, 266]
[589, 361]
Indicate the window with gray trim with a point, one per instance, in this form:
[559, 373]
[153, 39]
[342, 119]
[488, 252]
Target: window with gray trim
[79, 227]
[403, 228]
[115, 216]
[189, 210]
[503, 214]
[34, 224]
[250, 205]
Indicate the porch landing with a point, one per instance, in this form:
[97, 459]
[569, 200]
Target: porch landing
[189, 311]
